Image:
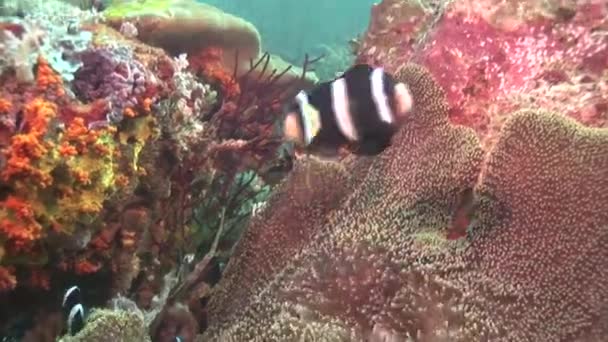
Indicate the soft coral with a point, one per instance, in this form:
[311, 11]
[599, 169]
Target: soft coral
[17, 50]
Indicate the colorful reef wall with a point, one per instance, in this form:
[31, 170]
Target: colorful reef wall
[122, 142]
[486, 220]
[138, 142]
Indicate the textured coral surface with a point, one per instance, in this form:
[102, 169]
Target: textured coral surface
[382, 264]
[493, 57]
[485, 220]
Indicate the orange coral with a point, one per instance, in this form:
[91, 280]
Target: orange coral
[25, 229]
[82, 177]
[79, 136]
[67, 150]
[46, 77]
[129, 112]
[5, 105]
[29, 146]
[7, 279]
[122, 180]
[147, 104]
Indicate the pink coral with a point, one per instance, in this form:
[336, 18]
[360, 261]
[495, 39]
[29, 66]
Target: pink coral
[493, 57]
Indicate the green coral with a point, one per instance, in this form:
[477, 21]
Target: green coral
[122, 9]
[112, 325]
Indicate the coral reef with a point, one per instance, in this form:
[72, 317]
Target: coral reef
[495, 57]
[379, 262]
[116, 325]
[107, 152]
[188, 26]
[134, 158]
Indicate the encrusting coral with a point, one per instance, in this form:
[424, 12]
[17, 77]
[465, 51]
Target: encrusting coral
[366, 217]
[540, 243]
[112, 325]
[187, 26]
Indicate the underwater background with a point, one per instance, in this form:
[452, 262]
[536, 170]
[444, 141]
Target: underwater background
[150, 189]
[299, 27]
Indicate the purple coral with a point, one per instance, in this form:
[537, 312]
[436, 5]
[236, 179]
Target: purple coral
[112, 74]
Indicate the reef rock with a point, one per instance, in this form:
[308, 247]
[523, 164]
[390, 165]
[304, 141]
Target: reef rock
[188, 26]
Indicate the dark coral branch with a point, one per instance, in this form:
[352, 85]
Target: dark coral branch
[199, 270]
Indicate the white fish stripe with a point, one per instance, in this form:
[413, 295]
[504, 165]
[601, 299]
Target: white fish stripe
[302, 100]
[339, 97]
[68, 293]
[77, 309]
[379, 96]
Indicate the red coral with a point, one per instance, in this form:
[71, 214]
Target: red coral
[83, 267]
[209, 62]
[95, 111]
[8, 281]
[39, 279]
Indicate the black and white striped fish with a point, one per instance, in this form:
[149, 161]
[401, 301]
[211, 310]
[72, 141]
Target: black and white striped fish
[73, 310]
[362, 110]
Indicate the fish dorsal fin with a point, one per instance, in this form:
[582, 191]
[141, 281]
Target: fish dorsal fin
[311, 118]
[341, 109]
[379, 96]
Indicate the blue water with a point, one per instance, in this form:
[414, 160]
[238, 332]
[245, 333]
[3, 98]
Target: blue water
[292, 28]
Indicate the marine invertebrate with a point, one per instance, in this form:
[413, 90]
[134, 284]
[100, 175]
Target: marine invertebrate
[370, 270]
[120, 324]
[52, 29]
[377, 180]
[18, 52]
[543, 229]
[8, 281]
[57, 179]
[171, 25]
[209, 62]
[114, 75]
[494, 57]
[210, 25]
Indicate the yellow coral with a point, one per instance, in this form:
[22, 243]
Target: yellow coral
[82, 163]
